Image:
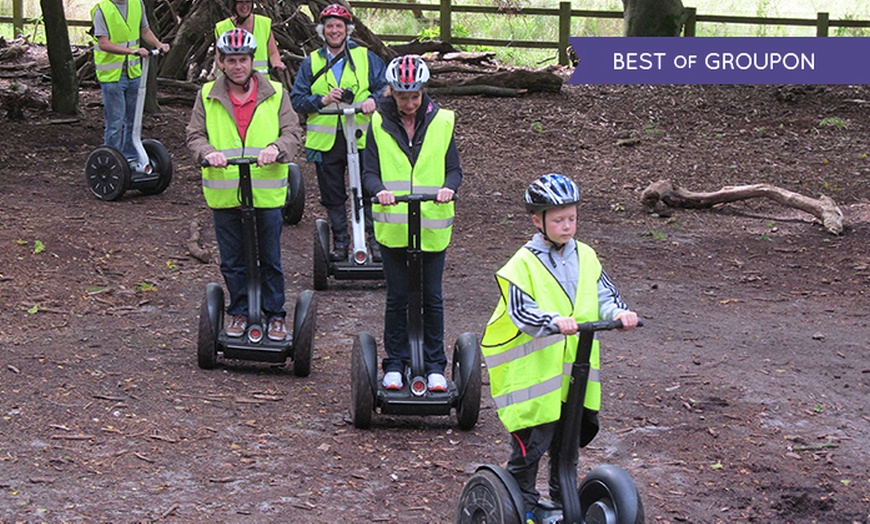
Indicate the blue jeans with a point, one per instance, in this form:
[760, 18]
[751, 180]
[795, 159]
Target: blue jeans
[119, 109]
[228, 230]
[396, 315]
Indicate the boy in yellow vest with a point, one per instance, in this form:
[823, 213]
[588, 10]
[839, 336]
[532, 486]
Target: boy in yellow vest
[119, 27]
[549, 286]
[243, 113]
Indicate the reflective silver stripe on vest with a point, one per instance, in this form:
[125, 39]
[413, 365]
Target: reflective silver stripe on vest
[522, 350]
[402, 218]
[426, 189]
[522, 395]
[594, 374]
[270, 183]
[109, 66]
[233, 152]
[220, 184]
[398, 185]
[315, 128]
[261, 64]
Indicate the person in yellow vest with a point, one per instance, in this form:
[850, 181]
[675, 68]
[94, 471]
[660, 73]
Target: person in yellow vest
[410, 149]
[120, 26]
[549, 286]
[243, 113]
[260, 26]
[341, 73]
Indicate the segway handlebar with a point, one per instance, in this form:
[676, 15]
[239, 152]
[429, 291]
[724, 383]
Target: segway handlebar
[242, 161]
[419, 197]
[340, 111]
[604, 325]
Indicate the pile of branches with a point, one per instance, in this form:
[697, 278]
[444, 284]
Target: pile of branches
[189, 28]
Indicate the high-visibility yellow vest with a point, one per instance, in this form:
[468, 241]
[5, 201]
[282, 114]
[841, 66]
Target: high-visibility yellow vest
[426, 176]
[122, 32]
[269, 183]
[320, 130]
[530, 377]
[262, 32]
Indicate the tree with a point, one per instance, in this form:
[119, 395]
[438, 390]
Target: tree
[653, 17]
[64, 84]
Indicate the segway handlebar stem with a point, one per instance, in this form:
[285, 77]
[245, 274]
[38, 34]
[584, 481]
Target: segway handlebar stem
[604, 325]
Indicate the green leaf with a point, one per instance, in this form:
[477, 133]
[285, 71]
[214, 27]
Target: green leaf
[38, 247]
[34, 310]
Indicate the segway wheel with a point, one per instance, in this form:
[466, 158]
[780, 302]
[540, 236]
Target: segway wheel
[485, 498]
[321, 260]
[304, 326]
[295, 204]
[161, 163]
[210, 322]
[466, 374]
[608, 495]
[107, 173]
[361, 393]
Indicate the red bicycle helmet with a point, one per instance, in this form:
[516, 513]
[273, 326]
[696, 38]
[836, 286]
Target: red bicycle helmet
[335, 11]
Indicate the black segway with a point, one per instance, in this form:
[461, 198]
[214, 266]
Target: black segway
[607, 494]
[359, 264]
[254, 345]
[295, 204]
[108, 173]
[463, 391]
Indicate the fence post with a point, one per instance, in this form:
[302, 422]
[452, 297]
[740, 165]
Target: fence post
[446, 26]
[17, 18]
[691, 21]
[822, 20]
[564, 31]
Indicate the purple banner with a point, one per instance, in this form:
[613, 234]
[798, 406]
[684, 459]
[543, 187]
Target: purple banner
[721, 60]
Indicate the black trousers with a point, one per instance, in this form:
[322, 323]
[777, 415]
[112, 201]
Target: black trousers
[333, 190]
[530, 444]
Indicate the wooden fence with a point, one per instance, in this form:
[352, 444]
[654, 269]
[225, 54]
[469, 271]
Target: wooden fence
[563, 13]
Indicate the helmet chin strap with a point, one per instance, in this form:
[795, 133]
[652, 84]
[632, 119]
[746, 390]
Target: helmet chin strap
[246, 84]
[543, 231]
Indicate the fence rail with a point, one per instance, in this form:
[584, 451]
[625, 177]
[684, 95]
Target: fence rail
[564, 14]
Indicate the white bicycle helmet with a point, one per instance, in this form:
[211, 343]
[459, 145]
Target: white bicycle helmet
[237, 41]
[407, 74]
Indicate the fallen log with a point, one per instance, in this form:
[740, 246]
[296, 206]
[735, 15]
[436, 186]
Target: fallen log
[665, 191]
[491, 91]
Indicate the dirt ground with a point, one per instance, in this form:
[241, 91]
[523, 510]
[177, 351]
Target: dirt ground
[743, 399]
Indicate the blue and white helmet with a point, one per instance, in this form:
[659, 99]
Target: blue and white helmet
[549, 191]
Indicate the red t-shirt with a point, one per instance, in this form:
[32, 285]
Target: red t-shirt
[244, 111]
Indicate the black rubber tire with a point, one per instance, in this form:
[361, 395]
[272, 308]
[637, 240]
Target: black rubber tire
[321, 263]
[206, 346]
[304, 327]
[161, 163]
[295, 204]
[107, 173]
[609, 491]
[485, 498]
[362, 398]
[466, 353]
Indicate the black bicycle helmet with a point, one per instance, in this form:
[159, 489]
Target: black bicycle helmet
[549, 191]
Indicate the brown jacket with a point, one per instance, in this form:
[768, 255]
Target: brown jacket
[288, 141]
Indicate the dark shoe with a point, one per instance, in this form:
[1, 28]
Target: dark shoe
[277, 329]
[375, 251]
[338, 254]
[237, 326]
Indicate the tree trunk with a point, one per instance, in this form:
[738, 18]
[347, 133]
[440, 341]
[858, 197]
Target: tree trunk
[653, 17]
[64, 84]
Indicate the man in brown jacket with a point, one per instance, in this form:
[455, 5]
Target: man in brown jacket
[243, 114]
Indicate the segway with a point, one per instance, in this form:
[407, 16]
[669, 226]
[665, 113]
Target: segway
[463, 391]
[253, 344]
[295, 204]
[359, 264]
[607, 494]
[108, 173]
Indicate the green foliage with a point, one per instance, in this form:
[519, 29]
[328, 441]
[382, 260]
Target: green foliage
[833, 121]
